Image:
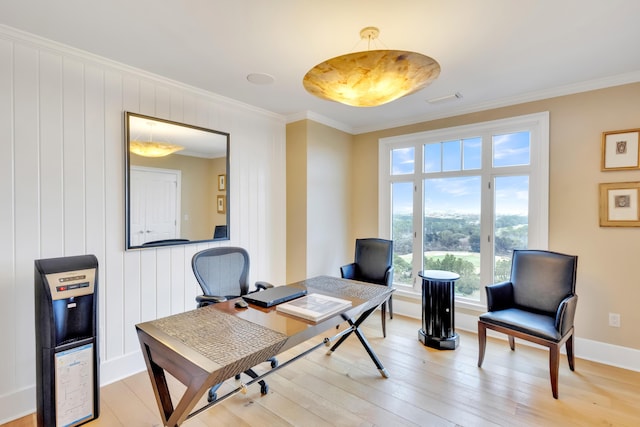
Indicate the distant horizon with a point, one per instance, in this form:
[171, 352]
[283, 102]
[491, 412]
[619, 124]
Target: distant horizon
[452, 214]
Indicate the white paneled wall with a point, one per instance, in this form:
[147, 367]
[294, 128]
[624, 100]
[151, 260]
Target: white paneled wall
[62, 192]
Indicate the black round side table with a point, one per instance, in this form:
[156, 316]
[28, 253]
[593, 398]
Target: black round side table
[438, 311]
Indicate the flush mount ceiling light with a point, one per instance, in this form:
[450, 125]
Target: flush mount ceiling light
[372, 77]
[153, 148]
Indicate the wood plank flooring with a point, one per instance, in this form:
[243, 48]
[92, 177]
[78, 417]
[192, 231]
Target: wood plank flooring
[427, 387]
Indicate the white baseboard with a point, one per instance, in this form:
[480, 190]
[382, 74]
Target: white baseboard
[18, 404]
[23, 402]
[121, 367]
[608, 354]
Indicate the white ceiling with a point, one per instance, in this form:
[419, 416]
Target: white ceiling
[493, 52]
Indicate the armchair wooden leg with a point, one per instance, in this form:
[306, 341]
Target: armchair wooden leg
[512, 342]
[554, 364]
[570, 356]
[390, 302]
[383, 307]
[482, 342]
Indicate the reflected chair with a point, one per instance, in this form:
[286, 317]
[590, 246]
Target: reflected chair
[223, 274]
[165, 242]
[220, 232]
[538, 304]
[373, 263]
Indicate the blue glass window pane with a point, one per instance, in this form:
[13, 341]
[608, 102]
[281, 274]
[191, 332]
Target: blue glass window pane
[472, 153]
[451, 156]
[432, 158]
[402, 161]
[512, 149]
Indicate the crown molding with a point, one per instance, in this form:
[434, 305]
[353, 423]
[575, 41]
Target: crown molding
[43, 44]
[570, 89]
[319, 118]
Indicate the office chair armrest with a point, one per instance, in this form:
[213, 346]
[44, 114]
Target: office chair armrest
[263, 285]
[499, 296]
[348, 271]
[203, 300]
[565, 314]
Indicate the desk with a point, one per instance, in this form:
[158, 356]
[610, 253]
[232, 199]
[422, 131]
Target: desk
[209, 345]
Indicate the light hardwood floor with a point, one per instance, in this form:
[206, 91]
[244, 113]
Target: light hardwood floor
[426, 387]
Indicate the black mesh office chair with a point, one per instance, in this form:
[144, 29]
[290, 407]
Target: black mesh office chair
[373, 263]
[222, 274]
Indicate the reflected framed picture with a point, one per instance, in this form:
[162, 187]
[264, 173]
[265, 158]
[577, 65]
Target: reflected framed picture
[619, 204]
[222, 182]
[222, 204]
[620, 150]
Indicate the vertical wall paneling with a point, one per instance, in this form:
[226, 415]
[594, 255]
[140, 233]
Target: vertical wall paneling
[62, 186]
[177, 107]
[26, 205]
[162, 102]
[51, 164]
[163, 282]
[7, 243]
[112, 287]
[74, 158]
[147, 99]
[148, 291]
[95, 185]
[132, 299]
[177, 279]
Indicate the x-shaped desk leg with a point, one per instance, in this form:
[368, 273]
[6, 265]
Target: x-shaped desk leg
[355, 328]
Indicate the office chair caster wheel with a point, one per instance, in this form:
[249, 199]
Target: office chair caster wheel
[212, 396]
[274, 363]
[238, 376]
[264, 389]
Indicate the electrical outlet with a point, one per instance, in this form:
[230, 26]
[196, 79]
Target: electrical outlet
[614, 320]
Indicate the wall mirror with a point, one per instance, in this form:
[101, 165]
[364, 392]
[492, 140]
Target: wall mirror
[176, 183]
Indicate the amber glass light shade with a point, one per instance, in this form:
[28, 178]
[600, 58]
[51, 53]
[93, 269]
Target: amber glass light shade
[371, 78]
[153, 149]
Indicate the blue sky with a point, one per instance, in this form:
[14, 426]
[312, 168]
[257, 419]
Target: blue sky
[461, 194]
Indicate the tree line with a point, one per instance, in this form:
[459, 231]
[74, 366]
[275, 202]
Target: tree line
[459, 233]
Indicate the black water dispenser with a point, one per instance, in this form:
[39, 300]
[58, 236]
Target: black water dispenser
[66, 302]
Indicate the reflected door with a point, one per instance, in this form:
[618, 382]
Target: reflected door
[154, 205]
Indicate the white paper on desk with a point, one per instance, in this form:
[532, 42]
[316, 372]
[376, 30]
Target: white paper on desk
[314, 307]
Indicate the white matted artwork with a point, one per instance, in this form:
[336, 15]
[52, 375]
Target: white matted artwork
[619, 204]
[620, 150]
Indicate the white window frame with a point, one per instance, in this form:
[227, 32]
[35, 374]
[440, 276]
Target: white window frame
[538, 170]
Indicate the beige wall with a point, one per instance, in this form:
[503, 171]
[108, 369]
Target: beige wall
[297, 201]
[199, 214]
[608, 279]
[318, 200]
[217, 167]
[328, 199]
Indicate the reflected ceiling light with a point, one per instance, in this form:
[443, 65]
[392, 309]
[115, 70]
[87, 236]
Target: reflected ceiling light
[372, 77]
[153, 148]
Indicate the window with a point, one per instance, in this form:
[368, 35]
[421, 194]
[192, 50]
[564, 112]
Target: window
[461, 199]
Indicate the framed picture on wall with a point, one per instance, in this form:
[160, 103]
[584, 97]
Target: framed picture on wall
[620, 150]
[222, 204]
[619, 204]
[222, 182]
